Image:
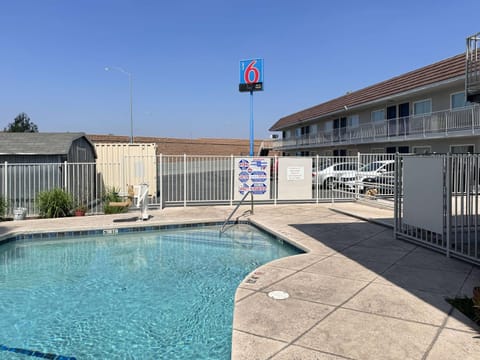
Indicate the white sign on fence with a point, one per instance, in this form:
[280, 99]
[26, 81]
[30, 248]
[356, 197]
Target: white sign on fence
[294, 178]
[423, 193]
[295, 173]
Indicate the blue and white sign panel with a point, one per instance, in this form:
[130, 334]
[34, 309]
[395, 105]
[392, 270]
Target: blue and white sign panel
[251, 75]
[252, 174]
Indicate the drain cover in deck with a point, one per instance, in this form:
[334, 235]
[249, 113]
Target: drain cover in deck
[278, 295]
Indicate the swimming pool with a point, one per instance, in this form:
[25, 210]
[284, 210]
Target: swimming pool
[146, 295]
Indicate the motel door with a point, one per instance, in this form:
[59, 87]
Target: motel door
[403, 114]
[392, 120]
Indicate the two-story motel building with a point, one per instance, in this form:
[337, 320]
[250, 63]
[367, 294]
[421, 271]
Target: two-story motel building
[422, 111]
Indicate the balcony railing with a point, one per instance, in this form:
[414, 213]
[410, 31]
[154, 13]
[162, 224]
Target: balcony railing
[439, 124]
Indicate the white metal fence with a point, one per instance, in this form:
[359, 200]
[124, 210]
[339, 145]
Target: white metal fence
[449, 221]
[188, 180]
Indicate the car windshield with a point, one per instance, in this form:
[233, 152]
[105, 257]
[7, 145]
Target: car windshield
[373, 166]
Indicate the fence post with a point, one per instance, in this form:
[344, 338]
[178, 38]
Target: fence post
[184, 180]
[160, 174]
[316, 177]
[232, 181]
[275, 179]
[357, 186]
[448, 191]
[5, 183]
[396, 194]
[65, 176]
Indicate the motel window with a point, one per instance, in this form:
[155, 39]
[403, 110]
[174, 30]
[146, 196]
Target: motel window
[286, 134]
[328, 126]
[457, 101]
[304, 130]
[378, 115]
[422, 149]
[353, 121]
[302, 153]
[462, 149]
[422, 107]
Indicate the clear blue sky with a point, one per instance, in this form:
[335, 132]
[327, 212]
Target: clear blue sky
[184, 57]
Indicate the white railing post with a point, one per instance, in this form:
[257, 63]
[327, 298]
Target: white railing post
[357, 185]
[184, 180]
[160, 183]
[396, 195]
[473, 124]
[448, 194]
[317, 186]
[232, 177]
[275, 179]
[5, 182]
[446, 125]
[65, 176]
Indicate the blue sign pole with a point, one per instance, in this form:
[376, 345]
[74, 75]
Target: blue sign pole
[251, 124]
[251, 79]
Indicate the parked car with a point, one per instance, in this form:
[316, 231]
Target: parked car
[382, 184]
[351, 179]
[326, 176]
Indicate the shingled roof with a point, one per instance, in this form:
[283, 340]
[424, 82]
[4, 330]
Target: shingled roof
[441, 71]
[37, 143]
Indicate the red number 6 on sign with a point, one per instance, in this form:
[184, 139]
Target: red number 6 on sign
[251, 69]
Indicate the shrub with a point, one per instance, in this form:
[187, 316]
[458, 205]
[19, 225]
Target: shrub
[3, 207]
[107, 209]
[111, 195]
[54, 203]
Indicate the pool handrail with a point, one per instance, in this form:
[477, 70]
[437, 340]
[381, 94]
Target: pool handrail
[236, 208]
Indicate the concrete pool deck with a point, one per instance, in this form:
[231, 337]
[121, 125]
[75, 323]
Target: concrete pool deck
[357, 294]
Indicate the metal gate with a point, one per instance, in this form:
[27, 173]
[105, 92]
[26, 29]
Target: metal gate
[438, 207]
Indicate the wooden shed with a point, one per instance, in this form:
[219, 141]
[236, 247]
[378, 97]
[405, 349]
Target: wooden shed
[34, 162]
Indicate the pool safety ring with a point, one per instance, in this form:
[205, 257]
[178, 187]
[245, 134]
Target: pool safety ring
[278, 295]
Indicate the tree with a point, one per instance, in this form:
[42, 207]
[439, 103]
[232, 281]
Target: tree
[21, 123]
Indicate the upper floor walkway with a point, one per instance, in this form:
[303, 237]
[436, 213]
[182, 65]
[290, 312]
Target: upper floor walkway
[435, 125]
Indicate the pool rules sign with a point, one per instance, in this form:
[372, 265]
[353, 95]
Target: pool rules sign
[252, 174]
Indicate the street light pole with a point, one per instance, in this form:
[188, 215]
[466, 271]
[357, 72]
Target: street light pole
[130, 79]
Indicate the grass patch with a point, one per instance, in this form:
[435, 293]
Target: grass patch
[465, 306]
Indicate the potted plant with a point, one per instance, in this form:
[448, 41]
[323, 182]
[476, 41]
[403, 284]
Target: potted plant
[80, 210]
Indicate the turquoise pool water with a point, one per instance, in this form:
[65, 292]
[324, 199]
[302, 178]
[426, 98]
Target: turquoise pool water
[147, 295]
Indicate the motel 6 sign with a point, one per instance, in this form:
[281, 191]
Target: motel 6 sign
[251, 75]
